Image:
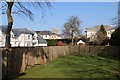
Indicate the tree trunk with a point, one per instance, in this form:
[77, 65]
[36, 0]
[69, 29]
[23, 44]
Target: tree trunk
[10, 23]
[72, 38]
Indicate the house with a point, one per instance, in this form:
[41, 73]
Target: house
[22, 37]
[91, 32]
[44, 34]
[48, 35]
[80, 42]
[55, 36]
[109, 32]
[25, 37]
[19, 37]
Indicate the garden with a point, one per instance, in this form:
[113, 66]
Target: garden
[74, 67]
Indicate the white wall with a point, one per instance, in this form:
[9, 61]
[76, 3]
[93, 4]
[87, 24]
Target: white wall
[110, 32]
[51, 37]
[45, 36]
[24, 40]
[90, 34]
[35, 40]
[42, 44]
[3, 39]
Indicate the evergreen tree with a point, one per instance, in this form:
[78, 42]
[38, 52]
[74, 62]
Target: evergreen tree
[102, 29]
[115, 38]
[101, 36]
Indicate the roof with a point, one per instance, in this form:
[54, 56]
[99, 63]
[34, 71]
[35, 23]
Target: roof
[41, 40]
[114, 27]
[80, 42]
[96, 28]
[16, 31]
[60, 43]
[3, 28]
[44, 32]
[19, 31]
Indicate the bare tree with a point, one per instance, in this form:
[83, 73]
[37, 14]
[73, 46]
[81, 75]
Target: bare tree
[115, 36]
[116, 21]
[22, 9]
[71, 28]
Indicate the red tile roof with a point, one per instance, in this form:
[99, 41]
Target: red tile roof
[60, 43]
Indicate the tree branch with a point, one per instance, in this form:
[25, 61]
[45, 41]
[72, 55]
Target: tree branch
[3, 6]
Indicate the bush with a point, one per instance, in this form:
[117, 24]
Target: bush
[51, 42]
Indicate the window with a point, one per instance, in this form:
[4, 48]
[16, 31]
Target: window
[46, 36]
[28, 36]
[18, 44]
[34, 44]
[33, 37]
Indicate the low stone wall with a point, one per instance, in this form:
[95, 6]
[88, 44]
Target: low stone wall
[19, 59]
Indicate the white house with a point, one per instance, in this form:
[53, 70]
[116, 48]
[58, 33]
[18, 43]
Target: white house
[48, 35]
[25, 37]
[21, 37]
[91, 32]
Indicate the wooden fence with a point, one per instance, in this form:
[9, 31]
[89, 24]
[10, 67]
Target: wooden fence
[15, 60]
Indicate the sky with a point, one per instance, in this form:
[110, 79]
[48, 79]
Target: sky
[90, 13]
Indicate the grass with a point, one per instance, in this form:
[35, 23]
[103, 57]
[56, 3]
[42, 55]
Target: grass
[75, 67]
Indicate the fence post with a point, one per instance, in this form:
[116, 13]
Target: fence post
[0, 63]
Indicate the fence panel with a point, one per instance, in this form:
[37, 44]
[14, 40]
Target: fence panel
[19, 59]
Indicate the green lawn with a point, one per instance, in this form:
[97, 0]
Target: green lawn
[75, 67]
